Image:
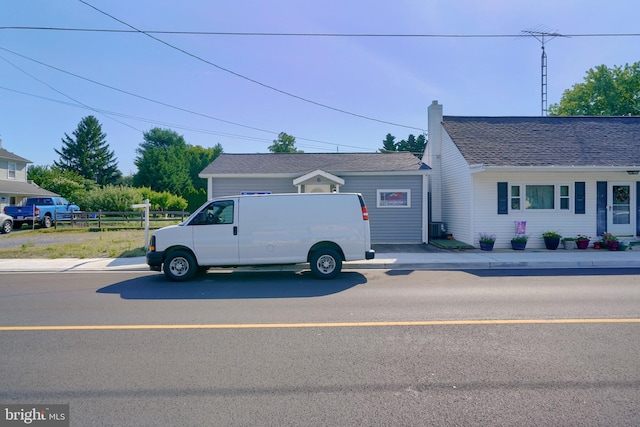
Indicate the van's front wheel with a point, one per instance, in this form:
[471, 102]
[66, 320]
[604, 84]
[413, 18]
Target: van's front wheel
[326, 263]
[180, 266]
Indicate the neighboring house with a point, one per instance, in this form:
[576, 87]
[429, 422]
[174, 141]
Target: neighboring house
[574, 175]
[14, 187]
[393, 185]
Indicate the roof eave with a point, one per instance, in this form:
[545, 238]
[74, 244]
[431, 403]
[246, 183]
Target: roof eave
[554, 168]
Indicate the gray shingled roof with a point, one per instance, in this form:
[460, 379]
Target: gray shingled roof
[301, 163]
[23, 188]
[4, 154]
[546, 141]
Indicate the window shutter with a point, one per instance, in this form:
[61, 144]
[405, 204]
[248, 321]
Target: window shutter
[601, 215]
[503, 198]
[580, 198]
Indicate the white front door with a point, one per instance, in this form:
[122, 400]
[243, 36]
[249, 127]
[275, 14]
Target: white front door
[620, 218]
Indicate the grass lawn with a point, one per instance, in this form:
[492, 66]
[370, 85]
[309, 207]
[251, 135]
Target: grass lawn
[72, 243]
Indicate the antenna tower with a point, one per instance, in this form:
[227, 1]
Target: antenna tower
[543, 37]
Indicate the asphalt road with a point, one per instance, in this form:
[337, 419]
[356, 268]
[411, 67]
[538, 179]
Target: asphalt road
[371, 348]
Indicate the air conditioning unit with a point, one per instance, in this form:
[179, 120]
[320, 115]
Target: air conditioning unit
[437, 230]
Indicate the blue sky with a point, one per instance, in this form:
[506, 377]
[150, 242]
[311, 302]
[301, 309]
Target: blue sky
[220, 88]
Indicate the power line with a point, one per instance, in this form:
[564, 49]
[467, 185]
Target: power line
[248, 78]
[149, 100]
[64, 94]
[281, 34]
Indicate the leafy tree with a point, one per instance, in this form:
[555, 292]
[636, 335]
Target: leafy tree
[68, 184]
[163, 162]
[88, 153]
[411, 144]
[284, 144]
[388, 144]
[200, 158]
[605, 92]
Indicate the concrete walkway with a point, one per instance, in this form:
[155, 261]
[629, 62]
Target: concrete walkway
[427, 260]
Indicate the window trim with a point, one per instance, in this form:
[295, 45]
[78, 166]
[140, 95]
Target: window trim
[407, 198]
[14, 170]
[557, 197]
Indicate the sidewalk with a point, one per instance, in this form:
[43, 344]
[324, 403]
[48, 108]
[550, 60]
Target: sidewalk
[437, 260]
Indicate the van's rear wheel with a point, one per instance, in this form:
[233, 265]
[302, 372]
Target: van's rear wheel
[326, 263]
[180, 266]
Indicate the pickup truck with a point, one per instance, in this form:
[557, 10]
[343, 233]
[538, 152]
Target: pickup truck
[41, 210]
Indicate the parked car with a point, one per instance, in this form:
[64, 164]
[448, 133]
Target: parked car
[6, 223]
[321, 229]
[41, 210]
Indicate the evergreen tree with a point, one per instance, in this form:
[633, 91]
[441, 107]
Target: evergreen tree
[88, 153]
[388, 144]
[411, 144]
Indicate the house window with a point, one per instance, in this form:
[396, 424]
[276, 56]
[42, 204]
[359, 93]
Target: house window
[394, 198]
[11, 171]
[515, 198]
[565, 200]
[540, 197]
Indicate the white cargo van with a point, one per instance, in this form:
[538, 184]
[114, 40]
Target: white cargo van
[321, 229]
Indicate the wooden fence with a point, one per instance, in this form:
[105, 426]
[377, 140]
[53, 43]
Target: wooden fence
[119, 220]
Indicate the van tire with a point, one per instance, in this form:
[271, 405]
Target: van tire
[326, 263]
[180, 266]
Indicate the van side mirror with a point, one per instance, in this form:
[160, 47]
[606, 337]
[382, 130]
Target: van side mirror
[201, 218]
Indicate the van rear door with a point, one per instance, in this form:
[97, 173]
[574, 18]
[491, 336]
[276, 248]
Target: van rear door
[215, 233]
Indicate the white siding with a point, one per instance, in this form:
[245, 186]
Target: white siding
[457, 203]
[567, 223]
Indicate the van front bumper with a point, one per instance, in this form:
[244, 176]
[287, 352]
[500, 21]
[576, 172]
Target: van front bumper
[370, 254]
[154, 260]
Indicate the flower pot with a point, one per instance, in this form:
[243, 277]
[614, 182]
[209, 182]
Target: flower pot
[569, 244]
[486, 246]
[613, 245]
[582, 244]
[518, 246]
[551, 243]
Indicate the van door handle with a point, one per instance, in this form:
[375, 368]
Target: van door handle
[235, 230]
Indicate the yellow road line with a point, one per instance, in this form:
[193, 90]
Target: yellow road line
[316, 325]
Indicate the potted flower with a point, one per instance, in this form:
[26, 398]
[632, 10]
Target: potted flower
[487, 241]
[609, 241]
[582, 241]
[551, 240]
[569, 242]
[518, 243]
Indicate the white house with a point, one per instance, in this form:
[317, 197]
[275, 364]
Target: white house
[573, 175]
[14, 187]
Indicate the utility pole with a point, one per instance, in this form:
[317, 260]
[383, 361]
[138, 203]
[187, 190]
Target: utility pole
[543, 37]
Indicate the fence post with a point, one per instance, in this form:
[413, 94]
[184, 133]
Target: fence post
[100, 219]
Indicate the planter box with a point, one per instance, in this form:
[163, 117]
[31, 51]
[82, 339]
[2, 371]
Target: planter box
[551, 243]
[569, 244]
[518, 246]
[486, 246]
[582, 244]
